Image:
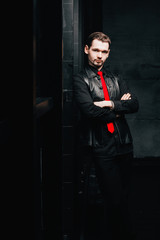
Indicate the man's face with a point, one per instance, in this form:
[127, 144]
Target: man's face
[97, 53]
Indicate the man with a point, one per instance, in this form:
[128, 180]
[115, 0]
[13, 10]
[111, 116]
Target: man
[103, 100]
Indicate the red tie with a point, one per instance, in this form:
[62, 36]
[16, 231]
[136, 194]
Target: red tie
[106, 96]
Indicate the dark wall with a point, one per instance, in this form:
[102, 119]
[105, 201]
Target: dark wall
[92, 17]
[135, 53]
[47, 31]
[47, 114]
[70, 64]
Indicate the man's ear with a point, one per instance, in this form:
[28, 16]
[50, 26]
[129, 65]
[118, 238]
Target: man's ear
[86, 48]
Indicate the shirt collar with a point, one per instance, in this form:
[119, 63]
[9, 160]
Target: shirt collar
[95, 70]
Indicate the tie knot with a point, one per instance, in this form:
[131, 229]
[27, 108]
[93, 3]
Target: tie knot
[100, 73]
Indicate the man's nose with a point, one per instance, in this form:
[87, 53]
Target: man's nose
[99, 55]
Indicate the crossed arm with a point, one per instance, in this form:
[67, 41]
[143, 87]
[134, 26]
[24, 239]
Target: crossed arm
[101, 110]
[109, 103]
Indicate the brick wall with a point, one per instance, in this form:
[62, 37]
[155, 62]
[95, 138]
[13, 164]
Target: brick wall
[71, 65]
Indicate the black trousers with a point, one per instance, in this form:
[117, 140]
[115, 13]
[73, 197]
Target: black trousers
[114, 178]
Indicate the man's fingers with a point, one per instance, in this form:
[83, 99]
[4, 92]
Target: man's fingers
[126, 96]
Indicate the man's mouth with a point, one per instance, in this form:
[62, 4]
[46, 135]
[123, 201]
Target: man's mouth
[99, 61]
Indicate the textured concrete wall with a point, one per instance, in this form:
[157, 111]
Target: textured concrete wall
[135, 53]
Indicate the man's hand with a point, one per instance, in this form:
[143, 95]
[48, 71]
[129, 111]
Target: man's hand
[103, 104]
[126, 96]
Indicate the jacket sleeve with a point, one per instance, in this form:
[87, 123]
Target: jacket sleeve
[125, 106]
[85, 103]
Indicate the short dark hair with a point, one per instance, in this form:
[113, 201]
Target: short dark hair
[99, 36]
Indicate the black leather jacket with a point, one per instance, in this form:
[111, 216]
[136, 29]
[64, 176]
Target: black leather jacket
[87, 88]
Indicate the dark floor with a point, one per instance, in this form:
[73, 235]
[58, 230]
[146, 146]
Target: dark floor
[144, 206]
